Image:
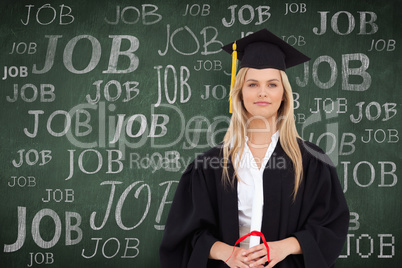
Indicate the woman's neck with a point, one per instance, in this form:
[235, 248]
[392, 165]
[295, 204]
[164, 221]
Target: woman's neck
[260, 131]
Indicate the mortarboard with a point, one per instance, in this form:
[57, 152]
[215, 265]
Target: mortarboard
[262, 50]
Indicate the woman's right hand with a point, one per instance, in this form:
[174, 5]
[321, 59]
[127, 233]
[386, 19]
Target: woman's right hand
[234, 258]
[238, 258]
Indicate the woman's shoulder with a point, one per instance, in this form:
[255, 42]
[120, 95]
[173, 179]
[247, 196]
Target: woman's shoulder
[312, 152]
[203, 159]
[205, 169]
[212, 153]
[307, 146]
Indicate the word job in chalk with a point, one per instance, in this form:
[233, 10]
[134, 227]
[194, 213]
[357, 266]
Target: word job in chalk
[22, 48]
[146, 14]
[70, 48]
[294, 8]
[365, 18]
[197, 10]
[15, 71]
[30, 92]
[42, 15]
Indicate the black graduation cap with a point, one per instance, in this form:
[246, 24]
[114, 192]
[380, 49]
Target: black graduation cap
[262, 50]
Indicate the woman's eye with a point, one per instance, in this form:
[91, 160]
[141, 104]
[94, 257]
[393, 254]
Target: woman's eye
[272, 85]
[252, 85]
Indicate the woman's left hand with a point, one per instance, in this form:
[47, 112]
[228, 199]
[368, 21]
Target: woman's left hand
[278, 251]
[258, 254]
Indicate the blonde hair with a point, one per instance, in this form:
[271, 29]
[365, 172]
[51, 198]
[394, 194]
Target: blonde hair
[233, 142]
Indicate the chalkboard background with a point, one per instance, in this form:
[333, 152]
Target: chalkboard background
[87, 179]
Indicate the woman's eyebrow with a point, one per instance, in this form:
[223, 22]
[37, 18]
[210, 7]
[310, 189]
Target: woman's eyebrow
[254, 80]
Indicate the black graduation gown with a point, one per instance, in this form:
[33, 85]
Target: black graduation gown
[205, 211]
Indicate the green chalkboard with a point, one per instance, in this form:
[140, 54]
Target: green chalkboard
[104, 104]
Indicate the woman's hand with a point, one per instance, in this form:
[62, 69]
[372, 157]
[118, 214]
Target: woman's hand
[238, 256]
[257, 255]
[278, 251]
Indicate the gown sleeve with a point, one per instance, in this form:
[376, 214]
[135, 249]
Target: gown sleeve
[325, 213]
[188, 235]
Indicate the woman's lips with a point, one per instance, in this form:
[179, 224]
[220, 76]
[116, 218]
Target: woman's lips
[262, 103]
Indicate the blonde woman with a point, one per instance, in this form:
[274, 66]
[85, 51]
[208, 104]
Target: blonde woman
[262, 182]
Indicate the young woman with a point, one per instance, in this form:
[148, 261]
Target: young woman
[262, 178]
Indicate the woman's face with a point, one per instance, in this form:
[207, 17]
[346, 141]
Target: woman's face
[262, 93]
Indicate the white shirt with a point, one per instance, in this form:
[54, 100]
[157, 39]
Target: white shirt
[250, 195]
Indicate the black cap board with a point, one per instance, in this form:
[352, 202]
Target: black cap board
[263, 49]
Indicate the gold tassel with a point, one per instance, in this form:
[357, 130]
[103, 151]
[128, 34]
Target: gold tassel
[233, 78]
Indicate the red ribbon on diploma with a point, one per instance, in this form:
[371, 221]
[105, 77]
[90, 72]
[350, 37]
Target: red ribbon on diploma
[254, 233]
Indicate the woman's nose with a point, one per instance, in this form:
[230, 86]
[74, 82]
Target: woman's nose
[262, 93]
